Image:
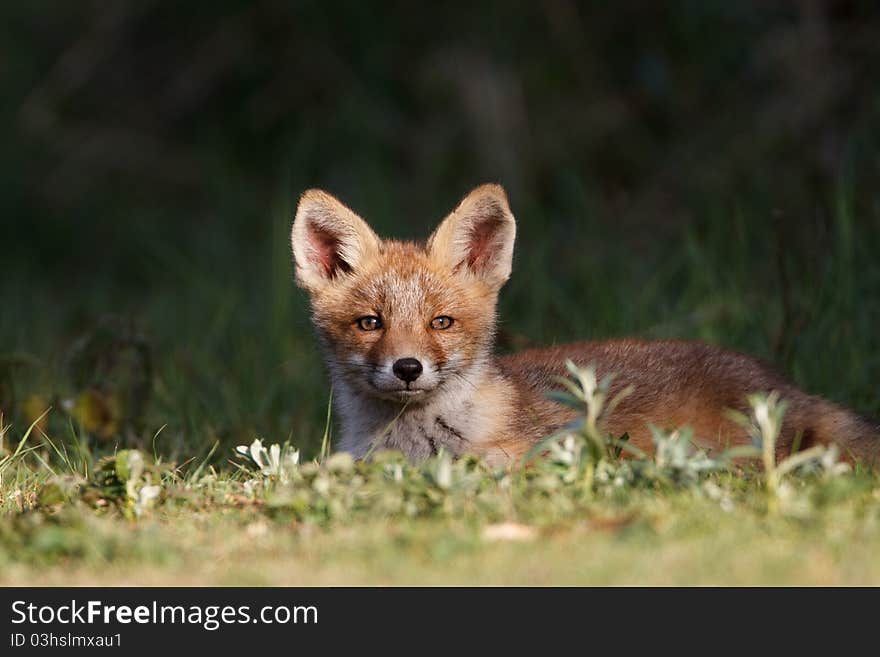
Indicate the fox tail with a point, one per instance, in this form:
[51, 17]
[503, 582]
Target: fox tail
[857, 436]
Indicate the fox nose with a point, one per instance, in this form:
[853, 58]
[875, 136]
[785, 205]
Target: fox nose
[407, 369]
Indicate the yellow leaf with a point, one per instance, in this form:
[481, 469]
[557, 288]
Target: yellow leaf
[33, 407]
[509, 531]
[98, 413]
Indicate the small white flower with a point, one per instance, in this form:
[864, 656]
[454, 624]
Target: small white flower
[257, 452]
[444, 472]
[145, 497]
[275, 459]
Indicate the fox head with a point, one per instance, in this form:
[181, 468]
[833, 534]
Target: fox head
[399, 321]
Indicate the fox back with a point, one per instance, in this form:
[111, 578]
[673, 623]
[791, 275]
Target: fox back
[408, 331]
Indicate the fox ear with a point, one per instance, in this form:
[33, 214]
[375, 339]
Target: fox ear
[328, 240]
[476, 239]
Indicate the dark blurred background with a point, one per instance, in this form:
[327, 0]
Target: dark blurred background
[697, 169]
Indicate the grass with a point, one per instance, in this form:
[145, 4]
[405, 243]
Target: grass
[132, 476]
[684, 538]
[389, 523]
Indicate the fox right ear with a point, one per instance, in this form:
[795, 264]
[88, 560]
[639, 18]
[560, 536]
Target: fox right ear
[328, 240]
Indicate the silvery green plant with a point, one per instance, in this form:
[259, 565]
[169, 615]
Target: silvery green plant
[677, 458]
[566, 454]
[764, 425]
[574, 452]
[585, 392]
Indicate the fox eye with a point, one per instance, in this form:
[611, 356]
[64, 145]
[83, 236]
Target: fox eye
[441, 322]
[369, 323]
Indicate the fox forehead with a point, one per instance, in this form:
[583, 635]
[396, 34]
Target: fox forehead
[401, 282]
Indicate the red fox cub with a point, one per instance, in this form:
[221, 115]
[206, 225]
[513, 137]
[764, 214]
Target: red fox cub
[408, 331]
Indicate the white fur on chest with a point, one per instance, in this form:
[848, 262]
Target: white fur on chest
[451, 420]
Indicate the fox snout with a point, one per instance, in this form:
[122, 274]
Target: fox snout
[403, 378]
[407, 369]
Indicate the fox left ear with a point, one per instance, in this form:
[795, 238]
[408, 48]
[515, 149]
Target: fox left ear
[476, 239]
